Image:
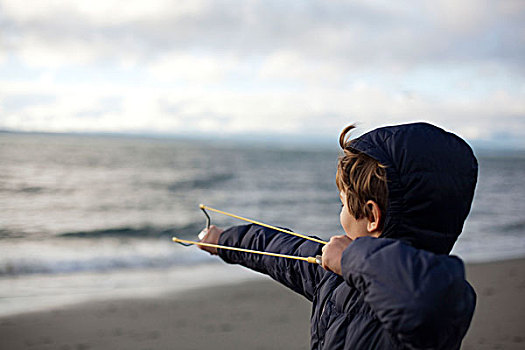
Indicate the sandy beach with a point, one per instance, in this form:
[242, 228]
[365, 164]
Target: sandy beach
[258, 314]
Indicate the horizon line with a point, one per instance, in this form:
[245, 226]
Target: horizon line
[260, 138]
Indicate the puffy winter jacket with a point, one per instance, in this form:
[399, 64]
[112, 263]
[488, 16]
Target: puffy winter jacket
[399, 291]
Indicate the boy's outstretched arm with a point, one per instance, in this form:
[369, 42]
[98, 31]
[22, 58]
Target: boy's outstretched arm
[298, 275]
[422, 298]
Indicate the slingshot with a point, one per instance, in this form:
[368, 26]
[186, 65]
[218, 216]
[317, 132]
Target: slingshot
[310, 259]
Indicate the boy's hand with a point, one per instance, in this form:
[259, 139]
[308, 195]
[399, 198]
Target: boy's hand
[333, 251]
[210, 235]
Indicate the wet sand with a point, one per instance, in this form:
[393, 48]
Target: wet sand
[253, 315]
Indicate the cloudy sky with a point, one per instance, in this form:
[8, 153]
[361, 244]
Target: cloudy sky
[263, 67]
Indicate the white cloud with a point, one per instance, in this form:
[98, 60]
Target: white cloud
[184, 67]
[357, 33]
[461, 17]
[261, 66]
[101, 12]
[35, 53]
[314, 110]
[291, 66]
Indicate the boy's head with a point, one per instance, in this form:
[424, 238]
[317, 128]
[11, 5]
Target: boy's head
[412, 182]
[362, 184]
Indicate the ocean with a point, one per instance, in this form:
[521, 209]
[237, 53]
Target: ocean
[85, 217]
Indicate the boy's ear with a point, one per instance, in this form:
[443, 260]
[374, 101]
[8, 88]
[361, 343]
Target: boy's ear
[372, 225]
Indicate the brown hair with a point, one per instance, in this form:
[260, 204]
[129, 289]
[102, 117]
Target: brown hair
[362, 178]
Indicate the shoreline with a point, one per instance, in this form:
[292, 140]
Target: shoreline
[498, 321]
[255, 314]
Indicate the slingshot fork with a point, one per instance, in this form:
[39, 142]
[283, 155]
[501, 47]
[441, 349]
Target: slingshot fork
[208, 224]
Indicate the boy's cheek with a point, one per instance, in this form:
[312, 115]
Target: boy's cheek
[344, 218]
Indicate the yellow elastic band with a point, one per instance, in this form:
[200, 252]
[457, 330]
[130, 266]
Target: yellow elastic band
[309, 259]
[202, 206]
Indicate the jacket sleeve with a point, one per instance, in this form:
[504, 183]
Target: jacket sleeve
[421, 298]
[298, 275]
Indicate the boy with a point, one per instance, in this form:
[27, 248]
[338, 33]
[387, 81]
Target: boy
[389, 283]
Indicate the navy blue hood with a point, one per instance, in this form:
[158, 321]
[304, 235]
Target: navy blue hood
[431, 177]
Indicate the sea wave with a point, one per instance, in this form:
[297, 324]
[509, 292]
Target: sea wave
[60, 256]
[190, 229]
[202, 182]
[518, 227]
